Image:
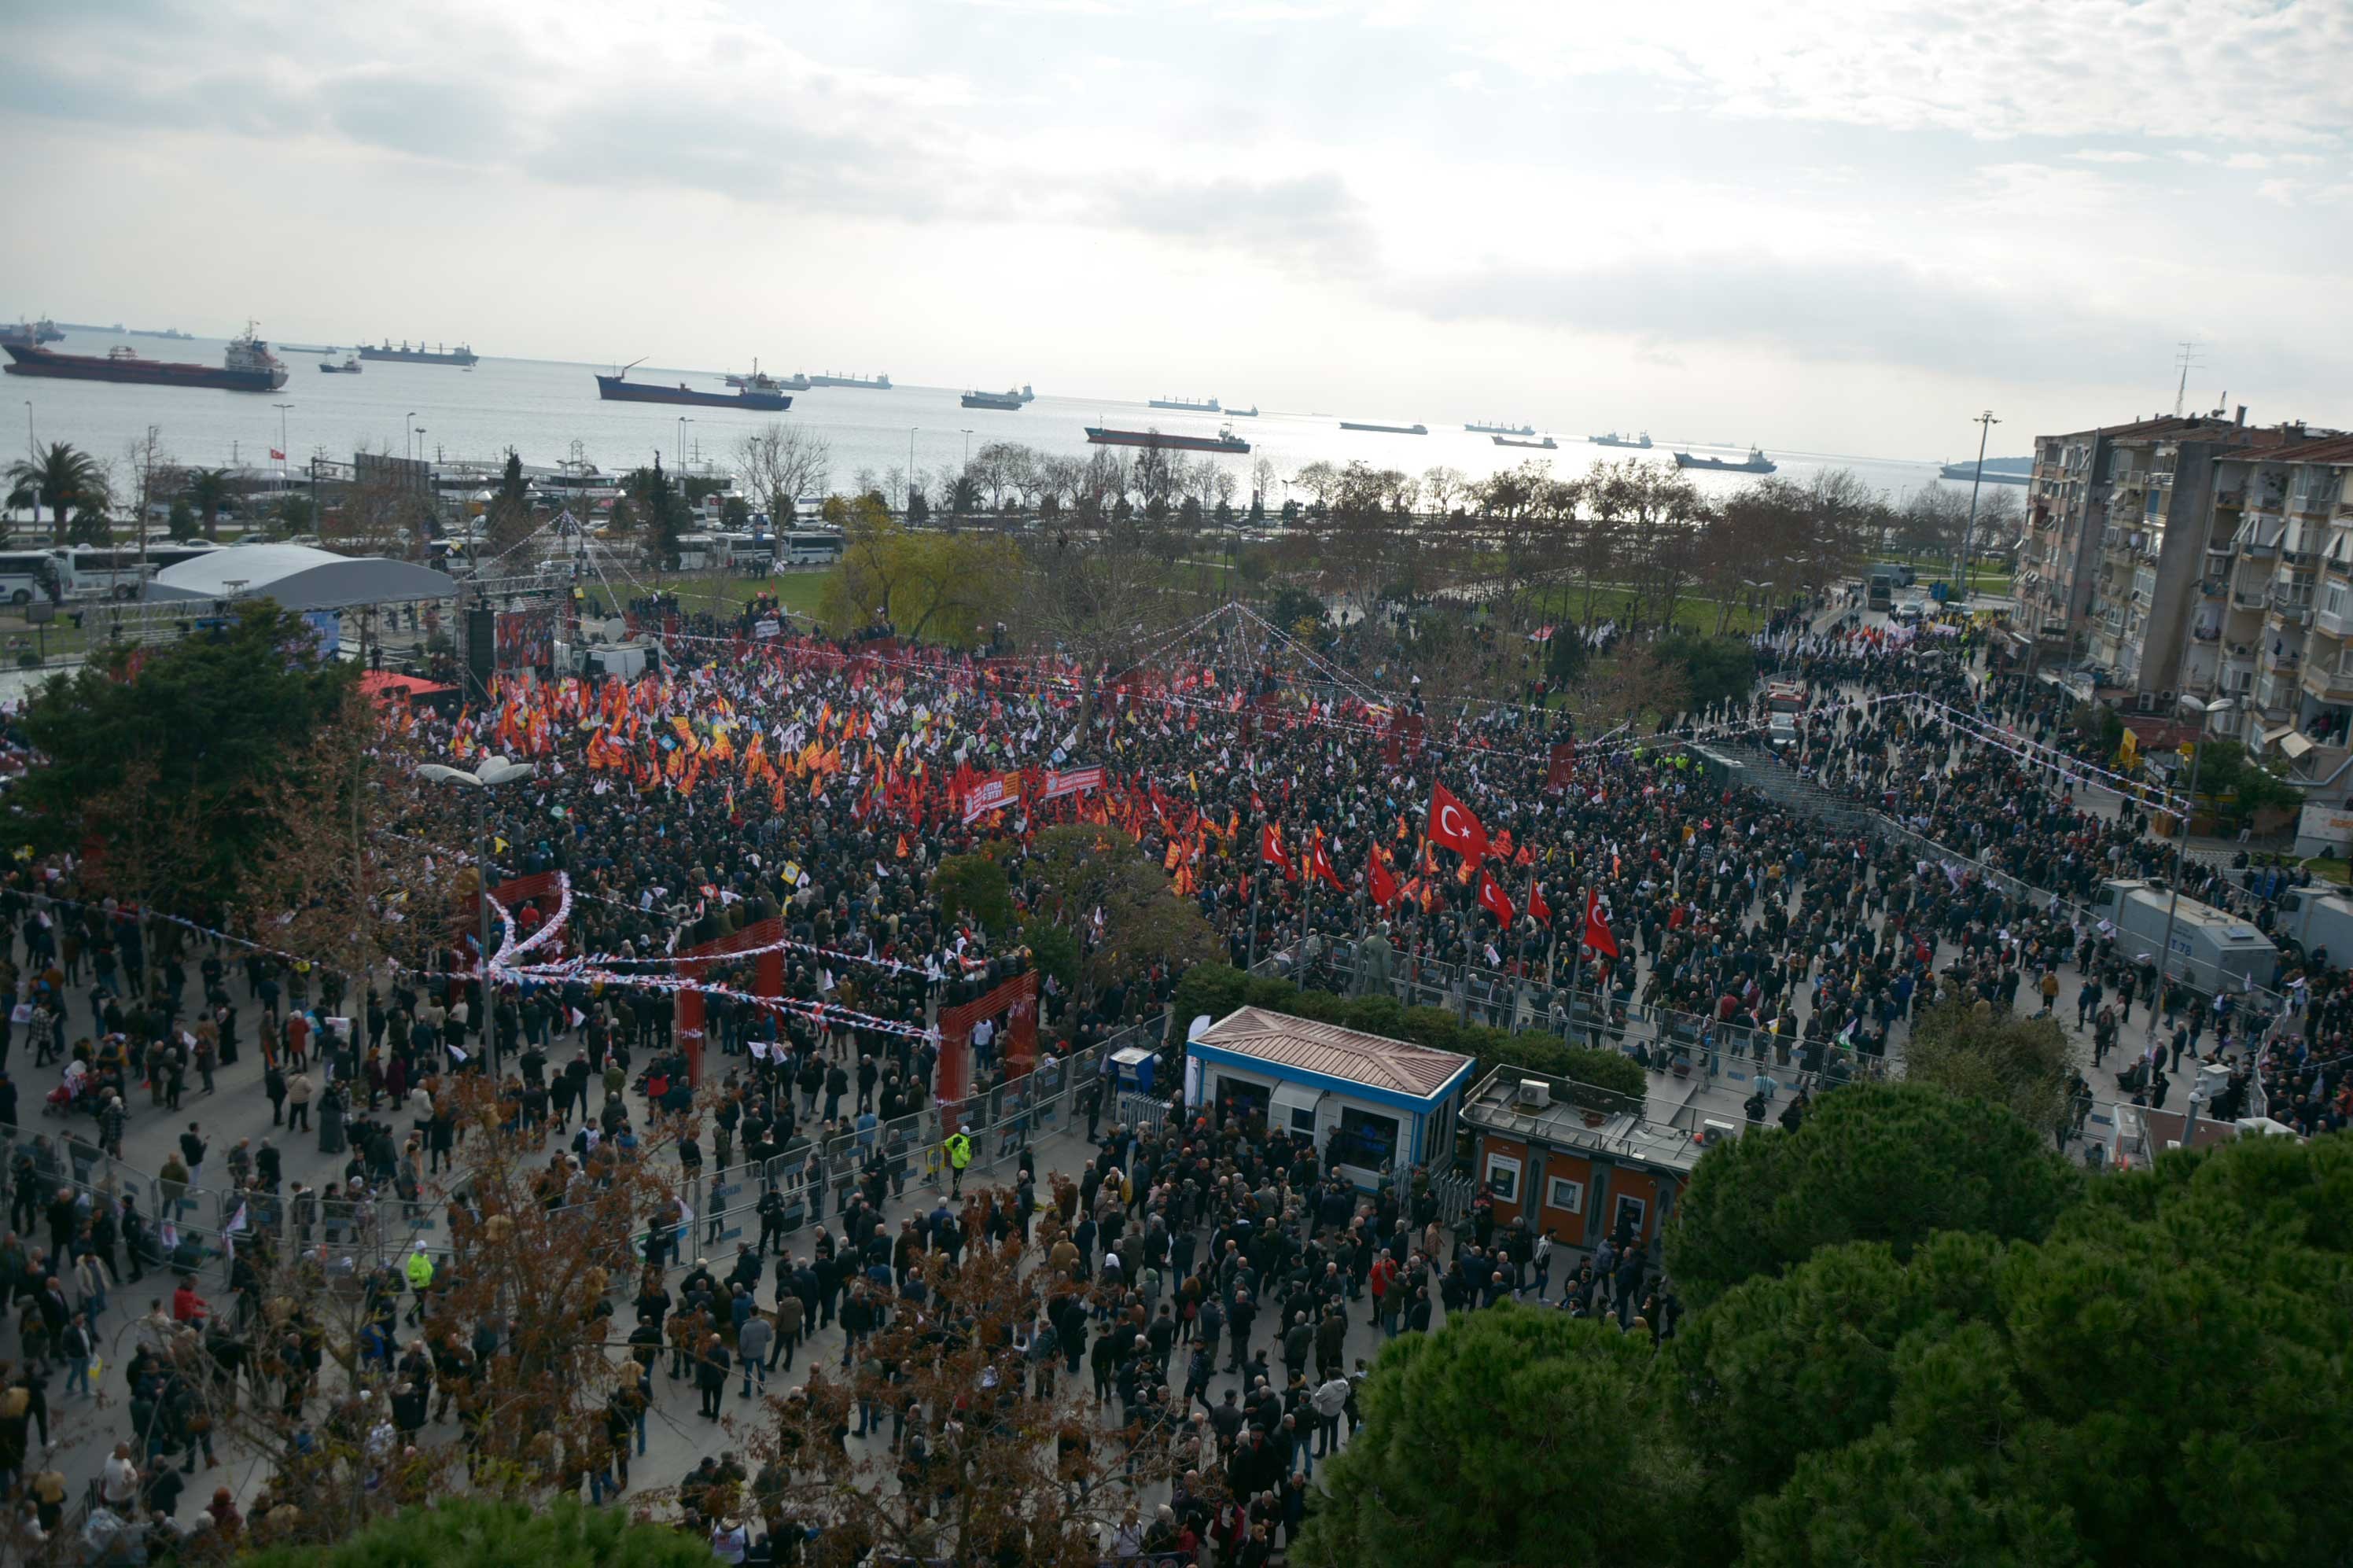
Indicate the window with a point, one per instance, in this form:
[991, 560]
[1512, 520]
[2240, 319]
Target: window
[1366, 1141]
[1302, 1120]
[1503, 1176]
[2333, 602]
[1567, 1196]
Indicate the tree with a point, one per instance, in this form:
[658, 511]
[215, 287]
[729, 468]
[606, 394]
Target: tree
[1885, 1163]
[483, 1532]
[291, 515]
[1097, 884]
[62, 478]
[1974, 1052]
[780, 463]
[1716, 667]
[182, 525]
[976, 885]
[1005, 1459]
[1514, 1435]
[1629, 686]
[173, 762]
[938, 586]
[664, 512]
[214, 497]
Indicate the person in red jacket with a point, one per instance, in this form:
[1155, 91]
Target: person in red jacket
[187, 1307]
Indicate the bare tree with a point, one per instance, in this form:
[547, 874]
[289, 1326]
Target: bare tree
[783, 462]
[1442, 487]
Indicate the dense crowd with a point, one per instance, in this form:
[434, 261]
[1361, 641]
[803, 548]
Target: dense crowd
[1286, 791]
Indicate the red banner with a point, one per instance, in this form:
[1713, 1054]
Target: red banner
[993, 793]
[1073, 781]
[1563, 766]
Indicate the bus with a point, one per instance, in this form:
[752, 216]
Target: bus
[28, 574]
[120, 572]
[809, 549]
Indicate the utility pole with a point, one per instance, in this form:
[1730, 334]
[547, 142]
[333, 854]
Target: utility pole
[1986, 422]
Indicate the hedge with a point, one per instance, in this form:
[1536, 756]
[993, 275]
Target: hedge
[1608, 1079]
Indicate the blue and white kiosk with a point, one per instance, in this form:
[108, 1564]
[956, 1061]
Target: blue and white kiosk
[1373, 1102]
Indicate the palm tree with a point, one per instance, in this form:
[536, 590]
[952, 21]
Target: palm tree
[59, 478]
[208, 491]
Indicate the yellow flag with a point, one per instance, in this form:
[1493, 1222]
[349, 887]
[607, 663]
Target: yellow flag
[2129, 753]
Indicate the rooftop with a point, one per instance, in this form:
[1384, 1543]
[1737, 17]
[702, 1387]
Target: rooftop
[1372, 1060]
[1495, 1106]
[298, 577]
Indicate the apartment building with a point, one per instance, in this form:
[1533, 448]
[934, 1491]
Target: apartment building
[2067, 517]
[2149, 567]
[2273, 622]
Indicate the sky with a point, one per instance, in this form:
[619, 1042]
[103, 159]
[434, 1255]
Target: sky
[1845, 226]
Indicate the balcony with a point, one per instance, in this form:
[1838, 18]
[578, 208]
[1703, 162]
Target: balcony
[2280, 661]
[2335, 623]
[2255, 598]
[2256, 546]
[2232, 498]
[2219, 550]
[2328, 682]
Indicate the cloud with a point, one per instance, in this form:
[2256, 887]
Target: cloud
[2166, 69]
[1311, 218]
[1881, 311]
[2109, 155]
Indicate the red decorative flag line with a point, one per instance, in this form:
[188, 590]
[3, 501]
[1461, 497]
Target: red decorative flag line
[1597, 929]
[1452, 823]
[1493, 900]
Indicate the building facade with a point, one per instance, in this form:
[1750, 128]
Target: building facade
[2066, 517]
[1577, 1172]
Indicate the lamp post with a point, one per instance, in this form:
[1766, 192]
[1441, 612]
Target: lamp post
[682, 423]
[1985, 423]
[281, 409]
[409, 434]
[2205, 710]
[494, 772]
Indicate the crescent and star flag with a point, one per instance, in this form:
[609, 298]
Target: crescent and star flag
[1493, 900]
[1380, 884]
[1320, 864]
[1537, 905]
[1452, 823]
[1270, 845]
[1597, 929]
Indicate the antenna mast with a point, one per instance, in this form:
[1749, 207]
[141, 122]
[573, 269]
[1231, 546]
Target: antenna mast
[2187, 359]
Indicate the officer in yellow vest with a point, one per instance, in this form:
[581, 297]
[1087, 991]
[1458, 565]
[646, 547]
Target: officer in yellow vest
[959, 1155]
[419, 1269]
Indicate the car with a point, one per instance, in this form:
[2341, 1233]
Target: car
[1783, 730]
[1907, 613]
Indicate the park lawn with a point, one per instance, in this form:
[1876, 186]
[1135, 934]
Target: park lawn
[725, 592]
[2330, 869]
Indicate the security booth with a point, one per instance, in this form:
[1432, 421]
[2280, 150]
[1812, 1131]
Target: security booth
[1580, 1162]
[1371, 1104]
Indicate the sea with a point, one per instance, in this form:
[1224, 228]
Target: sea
[548, 410]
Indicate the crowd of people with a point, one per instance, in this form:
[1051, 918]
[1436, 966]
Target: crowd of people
[1202, 1281]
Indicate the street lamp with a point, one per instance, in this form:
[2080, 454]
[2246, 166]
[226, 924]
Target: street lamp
[2205, 712]
[682, 423]
[494, 772]
[968, 448]
[1985, 423]
[408, 432]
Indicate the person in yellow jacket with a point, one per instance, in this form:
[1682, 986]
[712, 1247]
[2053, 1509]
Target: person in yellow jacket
[419, 1269]
[959, 1149]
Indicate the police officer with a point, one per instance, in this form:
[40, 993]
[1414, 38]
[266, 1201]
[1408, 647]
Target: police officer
[959, 1149]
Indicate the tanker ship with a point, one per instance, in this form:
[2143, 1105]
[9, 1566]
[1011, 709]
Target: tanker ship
[247, 365]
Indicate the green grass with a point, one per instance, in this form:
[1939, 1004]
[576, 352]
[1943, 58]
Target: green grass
[2330, 869]
[723, 593]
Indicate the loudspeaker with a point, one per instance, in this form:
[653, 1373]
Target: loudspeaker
[481, 653]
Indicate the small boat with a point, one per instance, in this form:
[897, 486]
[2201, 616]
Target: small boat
[1757, 463]
[351, 366]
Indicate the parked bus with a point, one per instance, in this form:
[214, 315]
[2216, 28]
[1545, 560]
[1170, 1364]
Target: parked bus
[121, 571]
[809, 549]
[28, 574]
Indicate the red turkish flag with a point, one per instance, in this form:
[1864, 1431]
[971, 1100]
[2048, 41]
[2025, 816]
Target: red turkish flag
[1597, 929]
[1493, 900]
[1380, 883]
[1270, 845]
[1537, 905]
[1320, 865]
[1452, 823]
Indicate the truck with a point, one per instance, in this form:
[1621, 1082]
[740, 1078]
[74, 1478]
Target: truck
[2211, 948]
[2316, 924]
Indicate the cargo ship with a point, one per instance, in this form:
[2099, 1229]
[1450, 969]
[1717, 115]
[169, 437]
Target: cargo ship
[1989, 473]
[1007, 400]
[1386, 430]
[420, 354]
[1187, 404]
[1547, 445]
[617, 388]
[247, 365]
[877, 384]
[1249, 412]
[33, 334]
[1225, 440]
[349, 368]
[1483, 428]
[1641, 442]
[755, 381]
[1757, 463]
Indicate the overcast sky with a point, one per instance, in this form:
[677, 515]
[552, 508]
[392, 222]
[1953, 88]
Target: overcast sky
[1836, 225]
